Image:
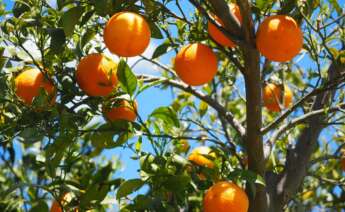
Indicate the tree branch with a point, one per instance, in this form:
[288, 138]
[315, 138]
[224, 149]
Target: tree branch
[252, 77]
[247, 25]
[213, 103]
[297, 159]
[222, 11]
[234, 34]
[328, 86]
[304, 118]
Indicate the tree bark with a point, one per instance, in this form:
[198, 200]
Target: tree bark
[253, 141]
[252, 75]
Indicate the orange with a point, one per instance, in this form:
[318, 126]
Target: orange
[225, 197]
[216, 34]
[124, 110]
[55, 207]
[273, 99]
[343, 164]
[66, 198]
[196, 64]
[279, 38]
[198, 156]
[96, 75]
[201, 176]
[28, 85]
[307, 195]
[127, 34]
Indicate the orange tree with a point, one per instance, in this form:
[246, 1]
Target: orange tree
[257, 83]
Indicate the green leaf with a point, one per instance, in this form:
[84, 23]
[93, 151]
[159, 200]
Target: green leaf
[59, 145]
[167, 115]
[99, 187]
[102, 140]
[3, 60]
[60, 4]
[177, 183]
[67, 122]
[262, 4]
[57, 41]
[287, 6]
[155, 31]
[2, 50]
[31, 135]
[19, 8]
[52, 163]
[203, 108]
[104, 136]
[149, 85]
[142, 202]
[116, 182]
[129, 187]
[70, 19]
[89, 35]
[40, 206]
[123, 138]
[127, 78]
[103, 7]
[103, 174]
[96, 192]
[138, 144]
[336, 6]
[86, 17]
[249, 176]
[2, 10]
[160, 50]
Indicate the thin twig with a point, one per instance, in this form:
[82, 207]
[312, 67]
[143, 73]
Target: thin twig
[213, 103]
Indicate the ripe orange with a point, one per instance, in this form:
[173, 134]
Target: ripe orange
[55, 207]
[197, 156]
[96, 75]
[127, 34]
[279, 38]
[307, 195]
[28, 85]
[196, 64]
[124, 110]
[216, 34]
[273, 99]
[225, 197]
[65, 199]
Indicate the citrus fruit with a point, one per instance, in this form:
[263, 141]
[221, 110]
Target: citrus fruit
[123, 110]
[279, 38]
[127, 34]
[65, 199]
[198, 156]
[28, 84]
[273, 99]
[225, 197]
[196, 64]
[96, 75]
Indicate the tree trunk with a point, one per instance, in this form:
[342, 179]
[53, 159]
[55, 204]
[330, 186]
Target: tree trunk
[253, 140]
[286, 184]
